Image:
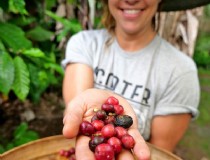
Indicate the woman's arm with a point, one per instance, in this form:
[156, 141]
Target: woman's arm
[78, 77]
[168, 130]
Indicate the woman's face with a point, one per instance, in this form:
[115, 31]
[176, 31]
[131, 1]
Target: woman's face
[133, 16]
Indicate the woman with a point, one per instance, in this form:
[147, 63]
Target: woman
[157, 84]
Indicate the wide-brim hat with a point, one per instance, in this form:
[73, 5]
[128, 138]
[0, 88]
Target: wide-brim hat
[177, 5]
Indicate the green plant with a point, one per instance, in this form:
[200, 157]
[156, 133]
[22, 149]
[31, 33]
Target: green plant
[29, 60]
[21, 135]
[31, 45]
[202, 51]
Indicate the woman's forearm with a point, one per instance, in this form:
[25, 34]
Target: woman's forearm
[78, 77]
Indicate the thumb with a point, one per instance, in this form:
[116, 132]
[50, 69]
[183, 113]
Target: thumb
[73, 118]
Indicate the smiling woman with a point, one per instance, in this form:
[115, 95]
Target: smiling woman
[155, 82]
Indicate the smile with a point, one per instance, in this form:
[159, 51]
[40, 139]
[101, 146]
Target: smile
[131, 11]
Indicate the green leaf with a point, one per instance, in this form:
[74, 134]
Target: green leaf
[17, 6]
[55, 67]
[39, 82]
[6, 72]
[72, 25]
[34, 52]
[2, 48]
[28, 136]
[50, 4]
[2, 150]
[22, 21]
[9, 146]
[39, 34]
[14, 37]
[22, 81]
[20, 130]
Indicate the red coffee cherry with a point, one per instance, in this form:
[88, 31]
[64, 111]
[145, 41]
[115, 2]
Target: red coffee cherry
[120, 132]
[104, 151]
[116, 144]
[108, 131]
[98, 124]
[101, 114]
[107, 108]
[86, 128]
[112, 100]
[118, 109]
[128, 141]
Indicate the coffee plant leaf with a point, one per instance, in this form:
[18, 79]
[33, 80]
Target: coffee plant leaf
[34, 52]
[39, 34]
[20, 130]
[22, 80]
[2, 47]
[54, 67]
[6, 72]
[14, 37]
[17, 6]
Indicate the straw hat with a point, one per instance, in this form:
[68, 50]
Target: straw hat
[176, 5]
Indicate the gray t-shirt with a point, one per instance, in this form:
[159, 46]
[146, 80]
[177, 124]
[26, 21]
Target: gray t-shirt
[156, 80]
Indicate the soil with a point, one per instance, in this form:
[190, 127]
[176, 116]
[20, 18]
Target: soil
[44, 117]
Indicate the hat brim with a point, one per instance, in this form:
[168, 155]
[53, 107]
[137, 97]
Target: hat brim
[177, 5]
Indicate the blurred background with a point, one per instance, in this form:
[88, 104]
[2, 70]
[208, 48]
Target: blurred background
[33, 36]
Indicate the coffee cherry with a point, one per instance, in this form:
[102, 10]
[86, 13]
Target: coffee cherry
[107, 108]
[124, 121]
[96, 140]
[98, 124]
[120, 132]
[128, 141]
[94, 118]
[116, 144]
[86, 128]
[101, 114]
[118, 109]
[104, 151]
[108, 131]
[109, 119]
[62, 152]
[71, 151]
[112, 100]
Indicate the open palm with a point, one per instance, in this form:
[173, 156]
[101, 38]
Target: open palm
[81, 108]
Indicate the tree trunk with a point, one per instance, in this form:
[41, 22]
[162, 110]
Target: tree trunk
[181, 28]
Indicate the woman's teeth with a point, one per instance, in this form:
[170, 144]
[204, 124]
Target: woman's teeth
[131, 11]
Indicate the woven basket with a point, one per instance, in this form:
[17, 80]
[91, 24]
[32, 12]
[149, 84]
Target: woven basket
[48, 149]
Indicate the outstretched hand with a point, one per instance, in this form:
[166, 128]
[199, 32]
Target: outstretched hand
[81, 108]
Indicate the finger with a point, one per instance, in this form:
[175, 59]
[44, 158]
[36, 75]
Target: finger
[73, 118]
[141, 150]
[83, 151]
[125, 155]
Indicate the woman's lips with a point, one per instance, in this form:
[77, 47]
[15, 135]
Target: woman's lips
[131, 13]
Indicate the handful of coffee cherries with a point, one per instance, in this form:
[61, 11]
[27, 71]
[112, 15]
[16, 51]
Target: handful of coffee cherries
[108, 130]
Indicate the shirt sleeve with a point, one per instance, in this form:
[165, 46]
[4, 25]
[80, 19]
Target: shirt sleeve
[78, 50]
[181, 96]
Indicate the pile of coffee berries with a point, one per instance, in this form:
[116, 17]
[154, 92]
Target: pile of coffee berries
[108, 130]
[68, 153]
